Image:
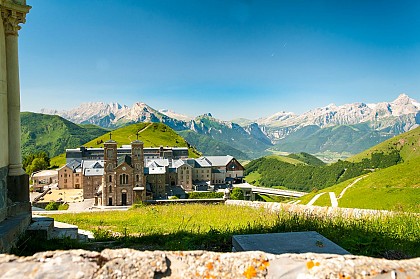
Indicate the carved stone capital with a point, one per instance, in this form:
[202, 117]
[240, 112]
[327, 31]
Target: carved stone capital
[13, 13]
[11, 20]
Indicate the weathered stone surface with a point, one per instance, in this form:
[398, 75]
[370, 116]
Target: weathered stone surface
[128, 263]
[58, 264]
[290, 242]
[11, 229]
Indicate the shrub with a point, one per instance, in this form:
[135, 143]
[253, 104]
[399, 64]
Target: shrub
[138, 204]
[63, 206]
[52, 206]
[237, 194]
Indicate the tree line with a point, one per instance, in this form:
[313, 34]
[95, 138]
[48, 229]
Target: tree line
[308, 177]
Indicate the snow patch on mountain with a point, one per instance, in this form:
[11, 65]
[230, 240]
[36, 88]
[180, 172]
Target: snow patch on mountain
[347, 114]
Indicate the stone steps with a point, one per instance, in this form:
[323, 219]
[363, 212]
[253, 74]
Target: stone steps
[46, 228]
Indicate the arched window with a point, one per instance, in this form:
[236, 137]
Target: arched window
[124, 178]
[110, 178]
[137, 178]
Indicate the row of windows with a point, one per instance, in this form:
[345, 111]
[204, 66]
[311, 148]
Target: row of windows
[124, 178]
[65, 175]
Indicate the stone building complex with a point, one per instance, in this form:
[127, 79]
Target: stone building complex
[15, 209]
[123, 175]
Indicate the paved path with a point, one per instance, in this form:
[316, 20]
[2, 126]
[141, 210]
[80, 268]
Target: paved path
[84, 205]
[334, 202]
[350, 185]
[333, 198]
[311, 202]
[142, 130]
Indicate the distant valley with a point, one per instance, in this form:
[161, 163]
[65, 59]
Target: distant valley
[347, 129]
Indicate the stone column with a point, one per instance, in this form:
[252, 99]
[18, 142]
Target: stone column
[12, 17]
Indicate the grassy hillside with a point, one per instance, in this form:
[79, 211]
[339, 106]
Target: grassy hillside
[286, 159]
[394, 188]
[269, 172]
[307, 158]
[53, 134]
[151, 134]
[407, 144]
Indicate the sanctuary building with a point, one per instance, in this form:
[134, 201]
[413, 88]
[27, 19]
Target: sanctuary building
[123, 175]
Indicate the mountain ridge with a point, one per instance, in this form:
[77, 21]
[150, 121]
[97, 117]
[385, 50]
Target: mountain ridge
[279, 132]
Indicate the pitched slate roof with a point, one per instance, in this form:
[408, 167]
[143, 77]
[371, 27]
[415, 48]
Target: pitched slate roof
[218, 161]
[92, 164]
[73, 165]
[93, 172]
[179, 163]
[203, 162]
[157, 162]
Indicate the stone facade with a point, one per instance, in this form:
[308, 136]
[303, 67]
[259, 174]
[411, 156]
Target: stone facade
[14, 183]
[69, 178]
[44, 178]
[123, 178]
[185, 174]
[91, 185]
[157, 182]
[100, 173]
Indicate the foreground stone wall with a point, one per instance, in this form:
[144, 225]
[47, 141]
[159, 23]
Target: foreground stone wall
[127, 263]
[310, 210]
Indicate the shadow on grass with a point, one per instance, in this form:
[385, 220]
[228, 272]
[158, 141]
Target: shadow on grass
[392, 238]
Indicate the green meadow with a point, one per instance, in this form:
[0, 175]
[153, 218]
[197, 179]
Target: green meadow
[210, 227]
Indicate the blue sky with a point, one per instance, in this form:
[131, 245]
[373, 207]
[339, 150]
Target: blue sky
[231, 58]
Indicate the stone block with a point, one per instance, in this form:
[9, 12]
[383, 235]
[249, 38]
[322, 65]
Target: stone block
[283, 243]
[41, 227]
[11, 229]
[18, 188]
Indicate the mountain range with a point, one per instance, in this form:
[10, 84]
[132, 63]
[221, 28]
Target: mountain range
[347, 128]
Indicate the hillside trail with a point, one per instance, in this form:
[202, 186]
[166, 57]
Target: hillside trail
[350, 185]
[333, 198]
[313, 200]
[141, 131]
[334, 202]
